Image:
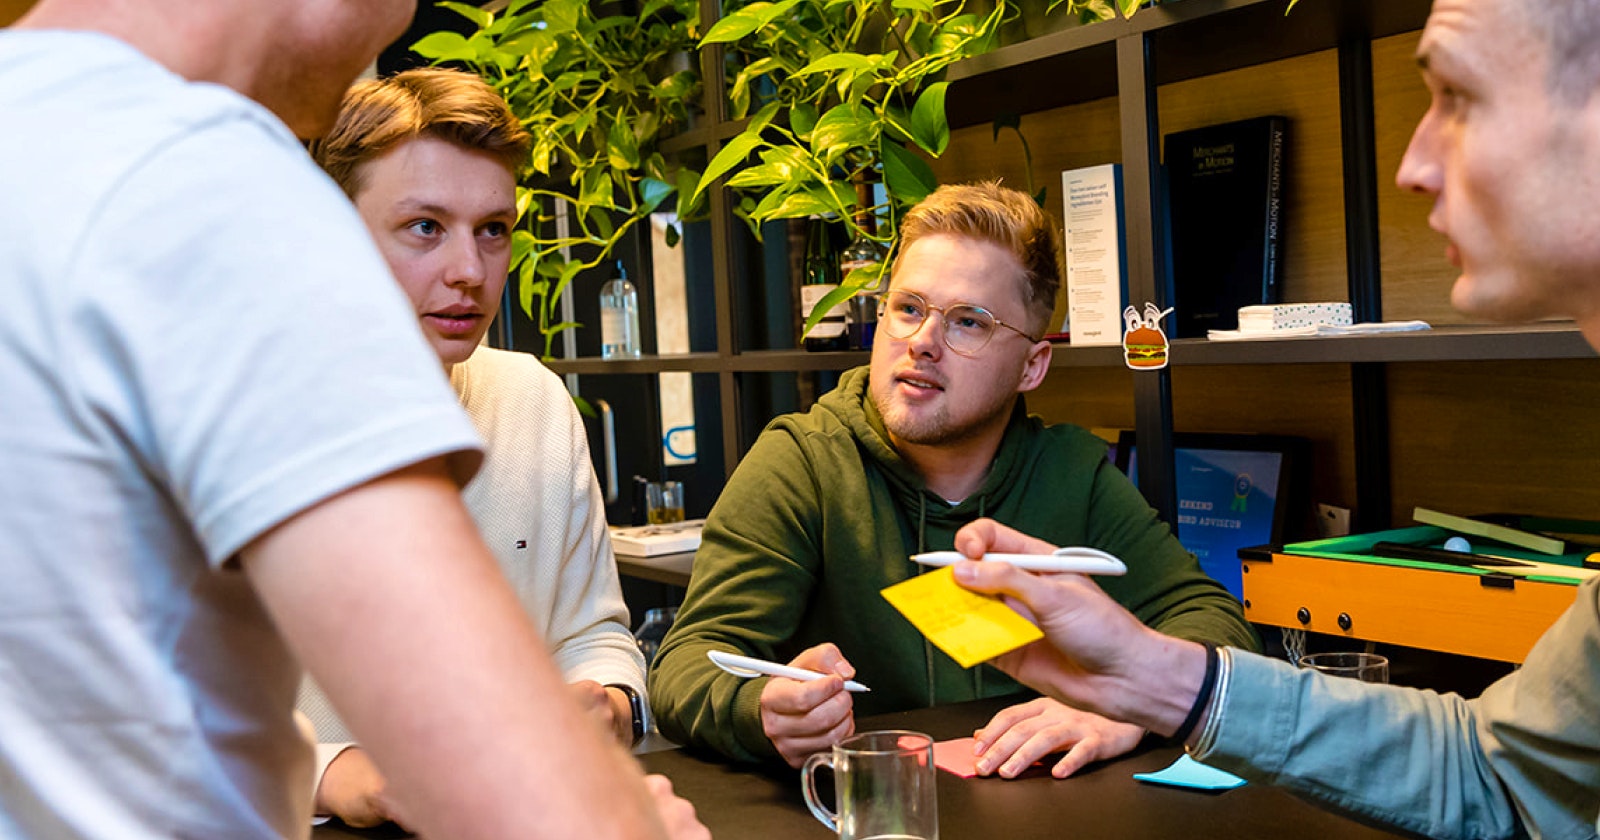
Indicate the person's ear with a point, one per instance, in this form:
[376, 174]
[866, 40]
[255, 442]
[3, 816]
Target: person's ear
[1035, 366]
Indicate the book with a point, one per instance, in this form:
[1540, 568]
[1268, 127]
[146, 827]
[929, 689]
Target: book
[1488, 530]
[1225, 215]
[1097, 277]
[655, 540]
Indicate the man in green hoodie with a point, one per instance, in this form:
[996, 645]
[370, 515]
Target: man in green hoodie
[828, 506]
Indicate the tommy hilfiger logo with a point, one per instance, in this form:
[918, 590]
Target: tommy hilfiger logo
[522, 543]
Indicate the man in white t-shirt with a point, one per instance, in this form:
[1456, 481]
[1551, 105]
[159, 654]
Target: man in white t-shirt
[223, 447]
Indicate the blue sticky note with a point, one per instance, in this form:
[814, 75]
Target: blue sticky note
[1186, 772]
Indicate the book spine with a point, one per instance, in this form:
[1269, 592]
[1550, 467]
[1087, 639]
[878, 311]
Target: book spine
[1270, 270]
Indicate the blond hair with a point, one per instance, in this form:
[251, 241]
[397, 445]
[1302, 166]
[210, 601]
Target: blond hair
[1005, 217]
[380, 114]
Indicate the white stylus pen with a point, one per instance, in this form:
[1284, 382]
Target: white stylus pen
[745, 666]
[1084, 561]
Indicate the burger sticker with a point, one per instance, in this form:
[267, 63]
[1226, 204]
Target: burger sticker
[1144, 345]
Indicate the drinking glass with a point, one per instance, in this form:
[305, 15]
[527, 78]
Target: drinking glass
[884, 787]
[663, 502]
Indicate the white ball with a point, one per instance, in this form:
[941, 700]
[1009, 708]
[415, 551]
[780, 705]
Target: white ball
[1458, 544]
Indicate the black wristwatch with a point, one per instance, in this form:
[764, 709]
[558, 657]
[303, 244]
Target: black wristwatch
[635, 707]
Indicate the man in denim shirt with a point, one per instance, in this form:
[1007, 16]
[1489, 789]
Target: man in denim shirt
[1510, 151]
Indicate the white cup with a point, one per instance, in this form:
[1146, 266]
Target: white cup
[884, 787]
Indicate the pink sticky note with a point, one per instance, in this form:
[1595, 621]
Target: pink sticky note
[956, 757]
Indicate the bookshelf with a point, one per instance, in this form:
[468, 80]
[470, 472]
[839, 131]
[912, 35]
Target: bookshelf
[1342, 71]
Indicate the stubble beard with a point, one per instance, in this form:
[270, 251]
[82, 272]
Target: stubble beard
[935, 428]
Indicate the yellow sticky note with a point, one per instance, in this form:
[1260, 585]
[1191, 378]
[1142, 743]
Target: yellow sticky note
[971, 628]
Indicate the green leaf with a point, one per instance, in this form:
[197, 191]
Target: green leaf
[478, 16]
[672, 236]
[924, 7]
[568, 271]
[769, 205]
[622, 148]
[521, 246]
[854, 62]
[762, 119]
[929, 128]
[529, 286]
[562, 15]
[842, 127]
[745, 21]
[535, 45]
[829, 300]
[731, 155]
[444, 46]
[907, 177]
[652, 193]
[687, 180]
[803, 119]
[865, 277]
[763, 175]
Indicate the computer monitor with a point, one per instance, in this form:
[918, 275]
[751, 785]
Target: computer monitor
[1234, 491]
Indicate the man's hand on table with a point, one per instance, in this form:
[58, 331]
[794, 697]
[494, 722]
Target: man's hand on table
[802, 717]
[1022, 734]
[353, 789]
[609, 706]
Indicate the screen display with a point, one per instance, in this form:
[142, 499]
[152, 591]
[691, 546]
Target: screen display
[1227, 500]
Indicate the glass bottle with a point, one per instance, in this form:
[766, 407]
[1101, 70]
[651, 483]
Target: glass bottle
[619, 318]
[822, 277]
[862, 313]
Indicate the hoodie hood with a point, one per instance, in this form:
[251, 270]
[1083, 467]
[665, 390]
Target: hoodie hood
[936, 519]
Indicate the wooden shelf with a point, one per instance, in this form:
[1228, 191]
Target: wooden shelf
[681, 362]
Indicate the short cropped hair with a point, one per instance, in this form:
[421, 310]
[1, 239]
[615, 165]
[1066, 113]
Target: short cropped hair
[380, 114]
[1005, 217]
[1571, 29]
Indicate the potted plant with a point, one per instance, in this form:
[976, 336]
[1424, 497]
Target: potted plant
[598, 86]
[840, 92]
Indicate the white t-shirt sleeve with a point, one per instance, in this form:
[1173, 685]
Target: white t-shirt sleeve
[302, 370]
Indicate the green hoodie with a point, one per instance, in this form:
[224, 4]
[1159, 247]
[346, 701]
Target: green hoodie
[822, 514]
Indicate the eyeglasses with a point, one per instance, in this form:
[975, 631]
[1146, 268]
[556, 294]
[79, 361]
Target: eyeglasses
[967, 328]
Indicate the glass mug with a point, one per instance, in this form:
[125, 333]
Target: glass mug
[663, 502]
[884, 787]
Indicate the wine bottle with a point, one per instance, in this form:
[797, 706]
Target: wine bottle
[861, 319]
[822, 277]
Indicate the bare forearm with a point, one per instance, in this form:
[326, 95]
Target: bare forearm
[393, 603]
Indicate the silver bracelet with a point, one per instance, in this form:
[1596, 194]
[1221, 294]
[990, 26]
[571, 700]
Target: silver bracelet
[1219, 696]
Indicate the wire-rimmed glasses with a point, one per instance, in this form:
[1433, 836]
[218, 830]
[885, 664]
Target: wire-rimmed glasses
[967, 328]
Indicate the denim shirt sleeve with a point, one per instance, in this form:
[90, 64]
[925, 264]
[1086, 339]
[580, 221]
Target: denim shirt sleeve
[1396, 755]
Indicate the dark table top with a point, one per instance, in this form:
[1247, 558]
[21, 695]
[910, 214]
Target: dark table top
[1103, 801]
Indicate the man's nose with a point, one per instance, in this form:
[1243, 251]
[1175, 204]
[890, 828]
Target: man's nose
[927, 339]
[466, 264]
[1420, 169]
